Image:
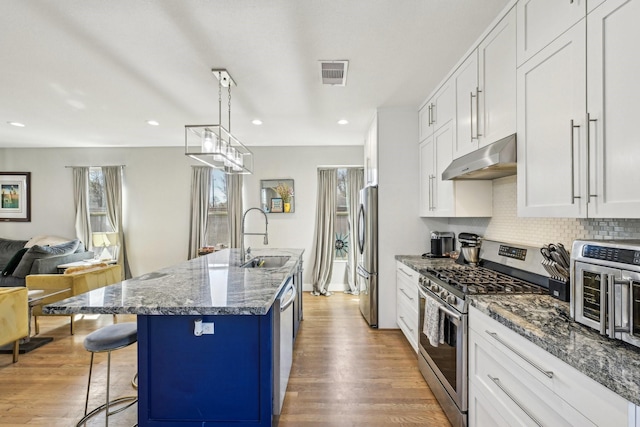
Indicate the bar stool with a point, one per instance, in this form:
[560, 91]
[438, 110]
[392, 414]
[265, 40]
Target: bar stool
[108, 339]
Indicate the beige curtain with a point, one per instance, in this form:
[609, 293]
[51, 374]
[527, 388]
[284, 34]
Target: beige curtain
[113, 189]
[324, 238]
[355, 182]
[234, 205]
[200, 187]
[81, 201]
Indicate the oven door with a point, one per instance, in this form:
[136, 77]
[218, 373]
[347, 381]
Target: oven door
[449, 359]
[628, 321]
[590, 299]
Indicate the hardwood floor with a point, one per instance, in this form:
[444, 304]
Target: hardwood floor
[344, 374]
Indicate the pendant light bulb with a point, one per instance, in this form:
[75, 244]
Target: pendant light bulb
[207, 141]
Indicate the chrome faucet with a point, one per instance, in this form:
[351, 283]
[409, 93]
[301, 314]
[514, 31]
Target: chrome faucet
[242, 233]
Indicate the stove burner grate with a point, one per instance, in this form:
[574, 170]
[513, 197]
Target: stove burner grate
[480, 280]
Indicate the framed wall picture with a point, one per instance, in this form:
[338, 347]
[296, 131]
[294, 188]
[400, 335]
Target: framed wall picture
[15, 196]
[276, 205]
[282, 189]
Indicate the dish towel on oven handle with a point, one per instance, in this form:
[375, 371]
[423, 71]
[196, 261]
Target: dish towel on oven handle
[433, 326]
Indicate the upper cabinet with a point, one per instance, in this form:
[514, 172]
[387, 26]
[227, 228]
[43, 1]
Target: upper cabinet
[576, 147]
[371, 154]
[542, 21]
[485, 89]
[437, 112]
[551, 131]
[613, 151]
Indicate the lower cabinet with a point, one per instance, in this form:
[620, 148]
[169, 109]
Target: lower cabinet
[221, 379]
[514, 382]
[407, 303]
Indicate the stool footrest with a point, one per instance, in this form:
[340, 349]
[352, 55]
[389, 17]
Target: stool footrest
[131, 399]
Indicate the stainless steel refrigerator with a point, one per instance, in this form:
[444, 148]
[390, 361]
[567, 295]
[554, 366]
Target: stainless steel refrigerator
[368, 254]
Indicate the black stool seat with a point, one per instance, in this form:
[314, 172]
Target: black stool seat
[111, 337]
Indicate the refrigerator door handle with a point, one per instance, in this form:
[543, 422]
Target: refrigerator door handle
[364, 273]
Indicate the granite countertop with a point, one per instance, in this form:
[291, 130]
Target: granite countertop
[213, 284]
[418, 263]
[546, 322]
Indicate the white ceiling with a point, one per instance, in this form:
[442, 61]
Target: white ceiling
[89, 73]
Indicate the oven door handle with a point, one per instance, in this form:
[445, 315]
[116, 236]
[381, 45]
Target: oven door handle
[443, 309]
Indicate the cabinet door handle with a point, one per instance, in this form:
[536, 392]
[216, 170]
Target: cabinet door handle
[405, 322]
[430, 114]
[406, 294]
[408, 274]
[589, 120]
[497, 382]
[495, 336]
[433, 197]
[573, 185]
[433, 116]
[478, 134]
[471, 114]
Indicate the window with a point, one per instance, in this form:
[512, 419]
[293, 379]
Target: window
[98, 202]
[342, 217]
[217, 222]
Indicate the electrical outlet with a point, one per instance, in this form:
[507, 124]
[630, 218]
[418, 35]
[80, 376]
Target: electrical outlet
[207, 328]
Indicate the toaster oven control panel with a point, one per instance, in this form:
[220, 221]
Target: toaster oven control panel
[512, 252]
[623, 256]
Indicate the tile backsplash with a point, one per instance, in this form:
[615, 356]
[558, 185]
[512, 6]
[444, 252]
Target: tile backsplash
[506, 226]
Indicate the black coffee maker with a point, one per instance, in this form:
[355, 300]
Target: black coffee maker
[442, 243]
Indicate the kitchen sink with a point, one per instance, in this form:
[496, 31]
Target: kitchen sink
[266, 262]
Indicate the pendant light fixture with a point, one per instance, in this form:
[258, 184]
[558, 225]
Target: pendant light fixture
[214, 145]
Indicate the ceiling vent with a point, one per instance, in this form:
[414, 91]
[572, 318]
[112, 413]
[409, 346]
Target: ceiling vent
[334, 73]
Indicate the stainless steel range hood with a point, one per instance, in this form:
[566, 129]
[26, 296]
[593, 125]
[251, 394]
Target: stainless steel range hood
[490, 162]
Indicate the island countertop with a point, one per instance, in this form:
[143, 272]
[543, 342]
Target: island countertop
[213, 284]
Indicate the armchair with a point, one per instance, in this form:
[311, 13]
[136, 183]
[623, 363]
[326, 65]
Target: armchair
[77, 280]
[14, 317]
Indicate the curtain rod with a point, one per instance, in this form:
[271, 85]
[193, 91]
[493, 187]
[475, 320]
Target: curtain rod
[341, 167]
[103, 166]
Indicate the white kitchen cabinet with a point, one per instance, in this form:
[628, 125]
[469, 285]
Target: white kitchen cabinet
[407, 301]
[465, 82]
[438, 111]
[613, 108]
[542, 21]
[485, 88]
[481, 410]
[551, 129]
[529, 386]
[444, 198]
[497, 82]
[577, 149]
[371, 153]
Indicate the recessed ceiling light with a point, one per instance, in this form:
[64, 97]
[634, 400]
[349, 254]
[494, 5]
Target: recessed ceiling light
[343, 122]
[17, 124]
[256, 122]
[153, 123]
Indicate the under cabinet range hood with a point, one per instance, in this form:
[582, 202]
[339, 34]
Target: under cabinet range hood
[489, 162]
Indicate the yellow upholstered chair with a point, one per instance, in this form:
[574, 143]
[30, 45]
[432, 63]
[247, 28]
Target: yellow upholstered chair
[77, 280]
[14, 317]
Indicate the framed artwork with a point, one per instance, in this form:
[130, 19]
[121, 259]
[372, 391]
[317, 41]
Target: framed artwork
[276, 205]
[15, 196]
[281, 189]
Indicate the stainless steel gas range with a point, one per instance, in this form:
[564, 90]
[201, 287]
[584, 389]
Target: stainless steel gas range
[504, 269]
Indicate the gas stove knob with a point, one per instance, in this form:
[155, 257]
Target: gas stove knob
[444, 295]
[451, 299]
[434, 288]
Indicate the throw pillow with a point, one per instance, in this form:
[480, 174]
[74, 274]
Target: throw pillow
[38, 252]
[8, 248]
[13, 262]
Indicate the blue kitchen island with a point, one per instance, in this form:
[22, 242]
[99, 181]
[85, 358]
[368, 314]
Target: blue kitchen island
[186, 378]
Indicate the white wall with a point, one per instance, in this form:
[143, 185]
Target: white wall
[157, 195]
[157, 184]
[292, 230]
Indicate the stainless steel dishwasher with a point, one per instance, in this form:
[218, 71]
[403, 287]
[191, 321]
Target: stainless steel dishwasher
[282, 343]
